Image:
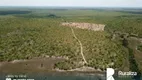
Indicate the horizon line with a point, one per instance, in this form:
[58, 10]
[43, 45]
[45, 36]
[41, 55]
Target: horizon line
[77, 6]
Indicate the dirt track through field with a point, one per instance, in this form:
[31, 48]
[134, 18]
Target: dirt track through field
[81, 47]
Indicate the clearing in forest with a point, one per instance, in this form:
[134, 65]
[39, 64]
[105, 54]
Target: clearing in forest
[89, 26]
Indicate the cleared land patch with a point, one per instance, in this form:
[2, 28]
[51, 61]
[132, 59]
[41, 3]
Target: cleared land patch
[89, 26]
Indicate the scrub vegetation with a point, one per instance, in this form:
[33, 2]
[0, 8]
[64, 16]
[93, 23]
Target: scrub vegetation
[34, 32]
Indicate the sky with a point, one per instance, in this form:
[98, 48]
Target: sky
[73, 3]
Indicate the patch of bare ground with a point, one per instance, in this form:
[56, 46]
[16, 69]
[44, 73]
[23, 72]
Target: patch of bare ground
[89, 26]
[29, 66]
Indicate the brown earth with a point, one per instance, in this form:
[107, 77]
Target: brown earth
[89, 26]
[29, 66]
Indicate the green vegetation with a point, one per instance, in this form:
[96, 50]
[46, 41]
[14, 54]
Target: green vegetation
[100, 50]
[130, 25]
[26, 38]
[38, 32]
[132, 61]
[140, 47]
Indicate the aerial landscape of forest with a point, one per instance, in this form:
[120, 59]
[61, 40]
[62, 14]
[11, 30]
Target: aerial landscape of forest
[77, 39]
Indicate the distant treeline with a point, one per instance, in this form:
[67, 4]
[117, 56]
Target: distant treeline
[132, 12]
[38, 16]
[14, 12]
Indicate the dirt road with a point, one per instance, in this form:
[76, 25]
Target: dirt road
[81, 47]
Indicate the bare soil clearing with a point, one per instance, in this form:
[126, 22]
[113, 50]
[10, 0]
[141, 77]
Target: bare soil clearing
[29, 66]
[89, 26]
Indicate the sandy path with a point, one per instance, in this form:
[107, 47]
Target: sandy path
[81, 48]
